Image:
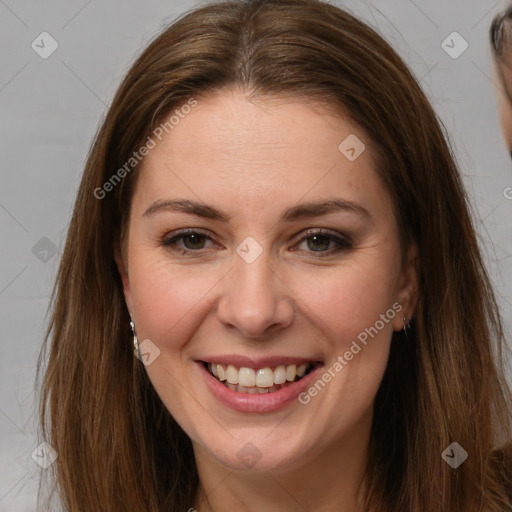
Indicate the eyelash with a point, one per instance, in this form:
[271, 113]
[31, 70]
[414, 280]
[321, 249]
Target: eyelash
[344, 242]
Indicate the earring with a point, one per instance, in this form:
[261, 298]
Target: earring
[135, 341]
[407, 326]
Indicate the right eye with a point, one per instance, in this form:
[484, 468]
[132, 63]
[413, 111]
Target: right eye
[191, 241]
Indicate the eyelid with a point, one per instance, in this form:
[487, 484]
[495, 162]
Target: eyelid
[344, 241]
[176, 235]
[323, 231]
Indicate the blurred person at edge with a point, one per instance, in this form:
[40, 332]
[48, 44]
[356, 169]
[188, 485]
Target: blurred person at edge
[501, 46]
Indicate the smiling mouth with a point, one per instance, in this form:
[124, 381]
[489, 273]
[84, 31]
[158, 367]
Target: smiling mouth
[259, 380]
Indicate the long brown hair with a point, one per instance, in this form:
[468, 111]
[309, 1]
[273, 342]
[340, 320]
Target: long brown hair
[118, 447]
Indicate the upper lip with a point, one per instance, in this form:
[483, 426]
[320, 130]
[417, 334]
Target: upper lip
[260, 362]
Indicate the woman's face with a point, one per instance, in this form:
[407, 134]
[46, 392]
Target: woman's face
[257, 287]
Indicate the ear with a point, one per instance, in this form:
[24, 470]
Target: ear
[123, 272]
[407, 292]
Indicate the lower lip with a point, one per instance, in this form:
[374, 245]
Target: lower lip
[265, 402]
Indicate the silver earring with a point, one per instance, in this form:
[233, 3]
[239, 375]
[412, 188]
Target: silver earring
[135, 341]
[407, 326]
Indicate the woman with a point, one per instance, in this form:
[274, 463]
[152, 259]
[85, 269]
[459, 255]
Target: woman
[271, 220]
[500, 34]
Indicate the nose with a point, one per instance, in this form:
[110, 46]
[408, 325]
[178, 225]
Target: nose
[255, 301]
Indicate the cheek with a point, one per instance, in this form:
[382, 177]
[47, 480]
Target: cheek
[166, 296]
[346, 300]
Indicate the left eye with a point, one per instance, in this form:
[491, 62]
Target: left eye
[316, 242]
[319, 241]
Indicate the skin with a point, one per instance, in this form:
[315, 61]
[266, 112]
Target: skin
[504, 73]
[253, 160]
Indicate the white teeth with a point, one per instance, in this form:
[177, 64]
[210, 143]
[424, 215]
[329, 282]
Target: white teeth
[264, 378]
[247, 377]
[221, 372]
[280, 374]
[232, 374]
[291, 372]
[301, 370]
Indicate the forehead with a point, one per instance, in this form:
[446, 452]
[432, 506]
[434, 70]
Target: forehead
[264, 125]
[261, 150]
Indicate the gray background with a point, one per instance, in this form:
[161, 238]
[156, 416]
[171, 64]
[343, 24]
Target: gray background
[51, 109]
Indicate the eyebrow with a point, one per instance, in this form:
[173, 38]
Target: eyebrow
[295, 213]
